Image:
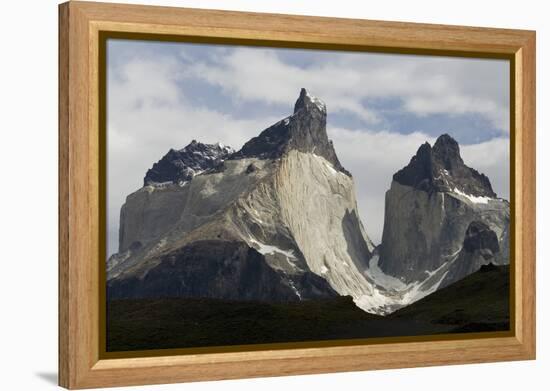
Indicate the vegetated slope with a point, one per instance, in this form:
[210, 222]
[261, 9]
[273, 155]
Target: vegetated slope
[188, 322]
[477, 303]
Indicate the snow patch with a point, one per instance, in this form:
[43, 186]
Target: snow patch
[256, 216]
[381, 278]
[291, 284]
[157, 247]
[472, 198]
[454, 255]
[390, 293]
[329, 166]
[324, 269]
[375, 303]
[208, 189]
[317, 102]
[266, 249]
[284, 121]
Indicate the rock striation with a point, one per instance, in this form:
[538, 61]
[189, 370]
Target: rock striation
[432, 204]
[281, 207]
[277, 221]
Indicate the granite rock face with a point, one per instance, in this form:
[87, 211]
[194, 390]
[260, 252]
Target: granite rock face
[278, 221]
[282, 206]
[430, 206]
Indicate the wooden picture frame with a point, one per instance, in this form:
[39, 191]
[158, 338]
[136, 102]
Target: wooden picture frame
[81, 25]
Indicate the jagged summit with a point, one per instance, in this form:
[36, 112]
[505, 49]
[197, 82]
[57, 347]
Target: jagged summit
[304, 131]
[441, 168]
[447, 151]
[309, 102]
[182, 165]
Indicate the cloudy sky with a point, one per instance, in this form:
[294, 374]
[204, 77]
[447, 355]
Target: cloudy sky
[381, 107]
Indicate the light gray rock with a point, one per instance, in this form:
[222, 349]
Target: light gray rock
[429, 207]
[284, 195]
[424, 230]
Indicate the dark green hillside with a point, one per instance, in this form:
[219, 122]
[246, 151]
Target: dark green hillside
[179, 322]
[477, 303]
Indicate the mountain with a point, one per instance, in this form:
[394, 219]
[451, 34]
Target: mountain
[437, 210]
[443, 221]
[276, 221]
[304, 131]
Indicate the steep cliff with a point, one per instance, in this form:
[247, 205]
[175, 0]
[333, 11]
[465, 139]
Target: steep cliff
[283, 203]
[431, 206]
[277, 221]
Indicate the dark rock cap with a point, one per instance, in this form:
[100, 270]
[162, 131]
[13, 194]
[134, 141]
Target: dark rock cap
[309, 102]
[447, 151]
[181, 165]
[305, 131]
[441, 168]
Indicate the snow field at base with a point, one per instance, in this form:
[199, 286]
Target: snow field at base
[390, 293]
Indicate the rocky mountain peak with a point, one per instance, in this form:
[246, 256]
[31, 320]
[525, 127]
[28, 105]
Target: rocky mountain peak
[441, 169]
[309, 103]
[182, 165]
[447, 152]
[305, 131]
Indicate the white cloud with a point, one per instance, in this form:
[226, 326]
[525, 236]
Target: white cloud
[152, 82]
[491, 158]
[373, 158]
[424, 85]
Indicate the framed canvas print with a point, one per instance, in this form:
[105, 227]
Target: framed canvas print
[248, 195]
